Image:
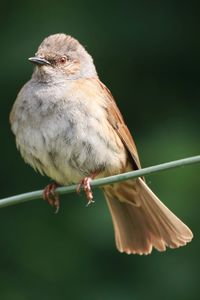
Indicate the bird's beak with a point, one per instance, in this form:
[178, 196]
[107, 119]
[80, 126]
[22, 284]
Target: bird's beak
[39, 60]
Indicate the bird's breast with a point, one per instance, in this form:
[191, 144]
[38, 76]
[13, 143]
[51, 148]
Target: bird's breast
[66, 137]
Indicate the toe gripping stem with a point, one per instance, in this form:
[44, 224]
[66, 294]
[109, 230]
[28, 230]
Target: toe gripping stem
[51, 196]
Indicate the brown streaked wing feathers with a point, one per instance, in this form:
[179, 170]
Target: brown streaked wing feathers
[116, 120]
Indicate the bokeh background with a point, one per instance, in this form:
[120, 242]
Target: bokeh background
[148, 54]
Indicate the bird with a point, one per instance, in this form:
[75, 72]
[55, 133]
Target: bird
[67, 126]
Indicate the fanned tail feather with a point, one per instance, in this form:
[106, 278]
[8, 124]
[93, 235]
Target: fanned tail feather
[141, 221]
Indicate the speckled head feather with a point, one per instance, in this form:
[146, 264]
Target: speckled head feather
[60, 43]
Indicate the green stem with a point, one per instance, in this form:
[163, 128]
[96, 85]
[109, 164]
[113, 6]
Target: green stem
[103, 181]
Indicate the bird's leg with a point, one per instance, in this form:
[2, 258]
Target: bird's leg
[51, 196]
[85, 183]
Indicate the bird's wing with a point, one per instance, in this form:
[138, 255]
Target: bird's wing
[116, 120]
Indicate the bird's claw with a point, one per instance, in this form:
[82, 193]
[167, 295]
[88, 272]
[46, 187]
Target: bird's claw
[85, 183]
[51, 196]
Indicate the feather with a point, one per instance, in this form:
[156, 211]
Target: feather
[141, 221]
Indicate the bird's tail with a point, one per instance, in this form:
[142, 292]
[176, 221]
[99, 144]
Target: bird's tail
[141, 221]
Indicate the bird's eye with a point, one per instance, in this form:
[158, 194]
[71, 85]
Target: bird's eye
[63, 59]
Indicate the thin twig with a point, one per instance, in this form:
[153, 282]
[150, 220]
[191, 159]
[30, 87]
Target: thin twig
[103, 181]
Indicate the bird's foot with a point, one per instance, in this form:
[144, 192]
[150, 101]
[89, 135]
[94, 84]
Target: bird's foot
[85, 183]
[51, 196]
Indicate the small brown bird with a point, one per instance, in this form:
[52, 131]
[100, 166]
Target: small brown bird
[68, 126]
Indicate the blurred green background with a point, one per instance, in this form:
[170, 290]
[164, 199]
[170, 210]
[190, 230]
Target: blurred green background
[148, 54]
